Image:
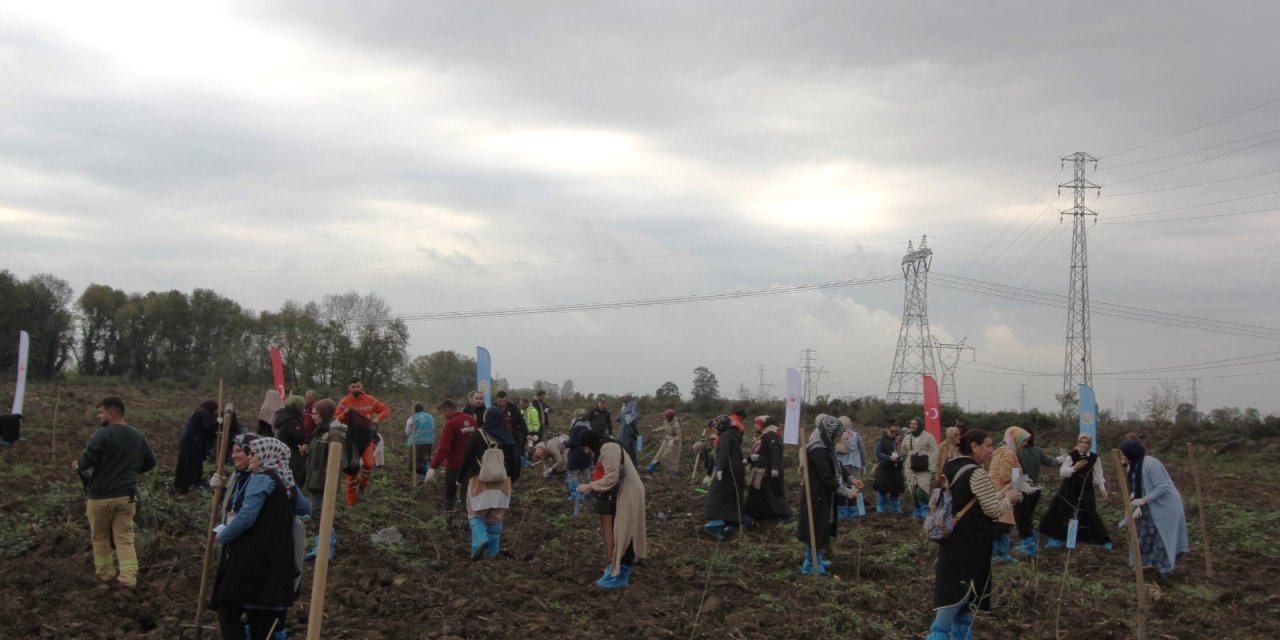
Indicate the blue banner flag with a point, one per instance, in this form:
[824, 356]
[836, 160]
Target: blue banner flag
[484, 375]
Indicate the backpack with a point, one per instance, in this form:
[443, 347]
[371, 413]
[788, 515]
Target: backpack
[940, 522]
[493, 464]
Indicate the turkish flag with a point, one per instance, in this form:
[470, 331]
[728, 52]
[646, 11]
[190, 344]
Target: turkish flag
[277, 370]
[932, 412]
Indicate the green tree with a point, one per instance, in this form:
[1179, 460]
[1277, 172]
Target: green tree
[706, 389]
[668, 391]
[444, 374]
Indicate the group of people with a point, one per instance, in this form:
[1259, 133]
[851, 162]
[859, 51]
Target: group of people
[279, 477]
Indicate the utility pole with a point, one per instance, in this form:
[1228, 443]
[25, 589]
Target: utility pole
[947, 386]
[1022, 398]
[1195, 393]
[915, 355]
[1078, 367]
[763, 393]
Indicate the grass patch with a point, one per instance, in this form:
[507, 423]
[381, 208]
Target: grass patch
[1248, 530]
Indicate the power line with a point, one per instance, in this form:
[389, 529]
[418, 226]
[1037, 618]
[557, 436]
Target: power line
[1183, 153]
[1195, 128]
[1188, 186]
[644, 302]
[1195, 162]
[1190, 206]
[1186, 218]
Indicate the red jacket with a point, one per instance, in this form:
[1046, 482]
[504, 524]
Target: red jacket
[366, 405]
[453, 441]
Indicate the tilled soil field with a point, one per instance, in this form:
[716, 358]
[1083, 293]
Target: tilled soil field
[424, 586]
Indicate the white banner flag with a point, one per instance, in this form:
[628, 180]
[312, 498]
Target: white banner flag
[19, 394]
[791, 429]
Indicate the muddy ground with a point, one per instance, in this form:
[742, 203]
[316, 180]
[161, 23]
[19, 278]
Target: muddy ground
[541, 587]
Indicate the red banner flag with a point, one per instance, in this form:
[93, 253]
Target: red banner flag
[277, 371]
[932, 412]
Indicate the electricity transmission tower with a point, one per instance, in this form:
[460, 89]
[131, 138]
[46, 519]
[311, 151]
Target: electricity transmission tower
[915, 356]
[1078, 368]
[763, 393]
[811, 375]
[947, 386]
[1022, 398]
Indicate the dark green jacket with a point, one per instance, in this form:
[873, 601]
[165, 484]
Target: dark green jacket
[113, 459]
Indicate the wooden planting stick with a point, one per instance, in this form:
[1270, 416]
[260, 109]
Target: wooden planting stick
[320, 581]
[1204, 527]
[808, 501]
[211, 538]
[1135, 552]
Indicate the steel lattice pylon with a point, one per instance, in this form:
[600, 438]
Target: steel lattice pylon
[1078, 368]
[915, 354]
[947, 387]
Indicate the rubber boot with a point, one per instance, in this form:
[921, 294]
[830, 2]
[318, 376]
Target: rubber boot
[610, 582]
[573, 488]
[311, 555]
[1055, 543]
[895, 504]
[494, 529]
[807, 568]
[882, 502]
[937, 633]
[479, 537]
[1028, 546]
[1000, 549]
[652, 466]
[961, 627]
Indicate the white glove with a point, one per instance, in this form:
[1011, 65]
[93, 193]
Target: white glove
[1138, 502]
[431, 473]
[719, 476]
[215, 481]
[846, 492]
[773, 473]
[707, 481]
[755, 456]
[1137, 512]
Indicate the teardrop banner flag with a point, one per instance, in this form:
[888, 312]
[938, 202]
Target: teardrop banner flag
[932, 411]
[1089, 414]
[484, 379]
[20, 393]
[791, 425]
[277, 370]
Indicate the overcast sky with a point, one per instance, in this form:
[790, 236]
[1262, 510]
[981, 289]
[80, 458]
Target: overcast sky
[461, 156]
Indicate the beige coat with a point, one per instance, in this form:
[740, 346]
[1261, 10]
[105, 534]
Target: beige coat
[668, 455]
[1003, 462]
[628, 522]
[925, 444]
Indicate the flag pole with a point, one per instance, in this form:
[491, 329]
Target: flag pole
[1135, 552]
[1204, 527]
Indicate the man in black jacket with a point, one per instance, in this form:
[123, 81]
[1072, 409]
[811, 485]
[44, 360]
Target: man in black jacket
[516, 425]
[110, 465]
[601, 421]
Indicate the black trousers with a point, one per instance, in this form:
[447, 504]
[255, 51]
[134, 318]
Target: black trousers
[450, 489]
[233, 618]
[1023, 512]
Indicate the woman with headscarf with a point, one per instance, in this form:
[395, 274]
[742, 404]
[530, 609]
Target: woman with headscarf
[766, 491]
[1031, 458]
[728, 475]
[241, 446]
[289, 429]
[852, 456]
[487, 502]
[271, 403]
[578, 465]
[950, 448]
[920, 452]
[1082, 476]
[629, 428]
[193, 446]
[704, 450]
[328, 429]
[1157, 510]
[620, 502]
[963, 578]
[1003, 464]
[668, 455]
[257, 579]
[888, 479]
[825, 481]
